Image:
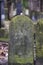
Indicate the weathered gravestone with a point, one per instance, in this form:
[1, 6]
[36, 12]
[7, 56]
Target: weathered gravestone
[21, 41]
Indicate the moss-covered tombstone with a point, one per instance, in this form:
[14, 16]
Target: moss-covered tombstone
[39, 38]
[21, 41]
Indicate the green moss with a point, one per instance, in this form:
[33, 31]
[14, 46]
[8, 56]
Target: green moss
[4, 39]
[40, 25]
[39, 37]
[22, 18]
[17, 59]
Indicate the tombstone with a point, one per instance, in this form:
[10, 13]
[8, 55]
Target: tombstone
[39, 39]
[20, 41]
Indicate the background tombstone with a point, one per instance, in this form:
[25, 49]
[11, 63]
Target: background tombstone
[21, 41]
[39, 43]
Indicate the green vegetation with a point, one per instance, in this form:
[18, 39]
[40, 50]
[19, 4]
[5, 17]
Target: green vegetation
[25, 3]
[4, 39]
[3, 35]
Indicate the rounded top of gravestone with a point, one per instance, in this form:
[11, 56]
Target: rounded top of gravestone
[21, 19]
[39, 25]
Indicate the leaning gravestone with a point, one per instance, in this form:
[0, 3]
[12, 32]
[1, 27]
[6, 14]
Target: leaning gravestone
[21, 41]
